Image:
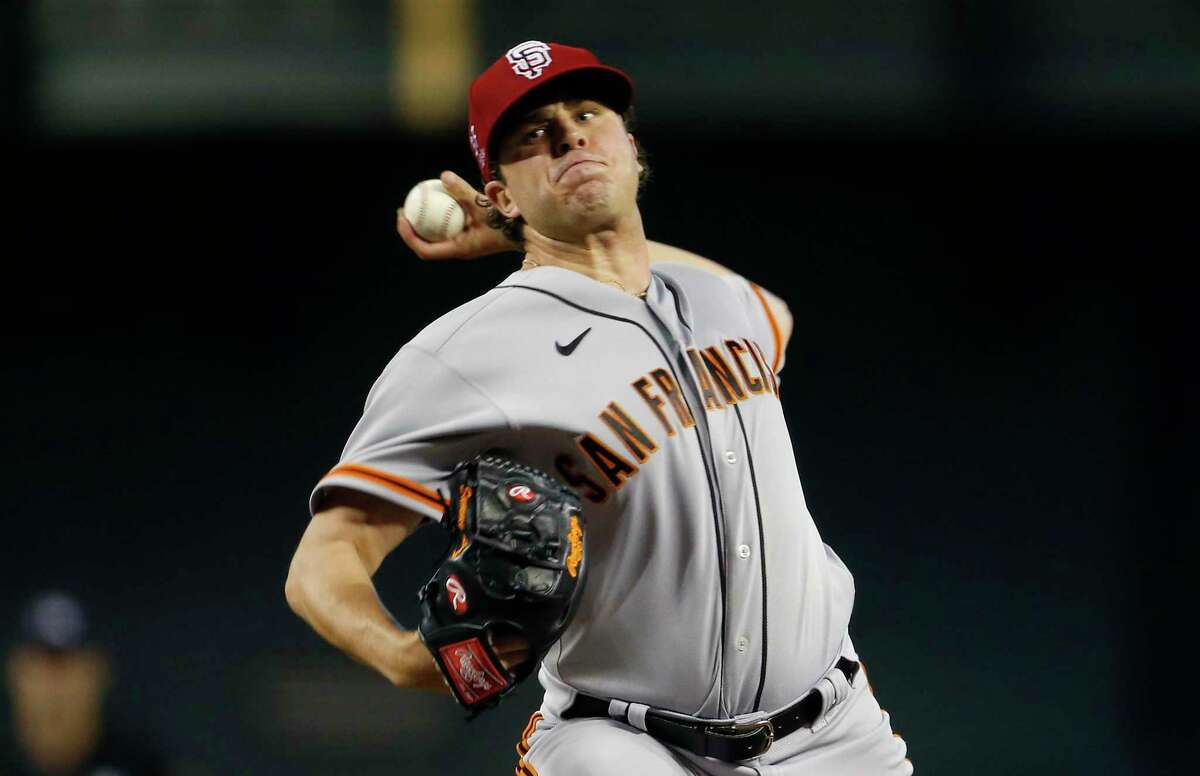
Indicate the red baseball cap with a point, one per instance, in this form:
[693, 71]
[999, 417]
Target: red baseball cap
[528, 66]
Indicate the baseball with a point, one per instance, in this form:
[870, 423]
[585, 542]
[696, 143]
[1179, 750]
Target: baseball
[433, 213]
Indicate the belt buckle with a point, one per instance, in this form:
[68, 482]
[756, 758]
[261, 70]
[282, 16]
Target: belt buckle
[743, 731]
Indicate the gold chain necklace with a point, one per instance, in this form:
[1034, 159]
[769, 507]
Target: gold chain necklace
[529, 263]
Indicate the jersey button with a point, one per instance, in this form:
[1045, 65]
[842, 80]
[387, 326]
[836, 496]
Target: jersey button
[730, 456]
[743, 551]
[742, 643]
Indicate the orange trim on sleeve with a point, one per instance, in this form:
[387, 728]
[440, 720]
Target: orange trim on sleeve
[524, 768]
[399, 485]
[774, 326]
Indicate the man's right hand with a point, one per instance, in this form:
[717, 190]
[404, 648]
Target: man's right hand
[475, 240]
[512, 650]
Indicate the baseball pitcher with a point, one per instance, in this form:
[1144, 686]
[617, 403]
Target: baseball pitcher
[602, 438]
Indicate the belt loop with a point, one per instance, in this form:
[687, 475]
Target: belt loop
[828, 699]
[631, 713]
[637, 715]
[834, 688]
[618, 710]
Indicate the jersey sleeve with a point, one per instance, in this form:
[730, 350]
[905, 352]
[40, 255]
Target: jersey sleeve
[767, 333]
[421, 418]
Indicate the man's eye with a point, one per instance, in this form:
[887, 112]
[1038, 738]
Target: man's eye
[536, 133]
[587, 115]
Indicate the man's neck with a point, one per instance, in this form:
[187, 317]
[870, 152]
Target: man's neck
[619, 257]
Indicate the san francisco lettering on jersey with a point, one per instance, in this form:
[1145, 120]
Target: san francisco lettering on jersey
[725, 377]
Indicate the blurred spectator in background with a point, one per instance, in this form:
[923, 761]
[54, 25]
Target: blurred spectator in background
[58, 681]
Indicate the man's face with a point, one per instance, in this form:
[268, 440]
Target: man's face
[569, 169]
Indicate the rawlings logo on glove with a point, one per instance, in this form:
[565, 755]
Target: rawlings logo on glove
[517, 566]
[475, 678]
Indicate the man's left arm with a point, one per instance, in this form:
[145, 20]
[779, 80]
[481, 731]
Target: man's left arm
[777, 307]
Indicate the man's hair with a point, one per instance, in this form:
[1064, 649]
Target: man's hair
[512, 228]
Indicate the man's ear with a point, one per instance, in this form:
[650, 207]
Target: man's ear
[633, 145]
[497, 192]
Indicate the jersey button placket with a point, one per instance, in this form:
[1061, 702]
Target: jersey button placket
[743, 551]
[742, 644]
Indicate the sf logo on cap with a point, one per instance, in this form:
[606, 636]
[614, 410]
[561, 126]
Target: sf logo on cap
[529, 58]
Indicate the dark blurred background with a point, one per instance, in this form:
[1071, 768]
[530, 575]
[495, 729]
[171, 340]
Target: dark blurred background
[983, 217]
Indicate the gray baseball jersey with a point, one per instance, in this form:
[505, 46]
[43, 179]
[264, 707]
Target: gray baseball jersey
[710, 591]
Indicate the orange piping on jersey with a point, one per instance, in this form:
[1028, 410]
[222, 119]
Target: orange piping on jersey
[774, 326]
[391, 482]
[523, 744]
[524, 768]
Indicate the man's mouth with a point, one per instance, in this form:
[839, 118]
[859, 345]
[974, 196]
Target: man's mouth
[562, 173]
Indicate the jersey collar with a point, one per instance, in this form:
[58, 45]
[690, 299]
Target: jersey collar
[576, 287]
[663, 294]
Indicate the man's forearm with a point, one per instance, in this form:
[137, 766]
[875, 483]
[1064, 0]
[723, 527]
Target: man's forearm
[331, 590]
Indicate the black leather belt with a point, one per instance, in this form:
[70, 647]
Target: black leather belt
[728, 742]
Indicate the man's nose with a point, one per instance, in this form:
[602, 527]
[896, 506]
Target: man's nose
[569, 138]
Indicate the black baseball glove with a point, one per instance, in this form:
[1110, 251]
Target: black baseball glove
[515, 566]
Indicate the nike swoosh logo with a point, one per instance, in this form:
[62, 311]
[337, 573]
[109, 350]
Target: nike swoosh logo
[569, 348]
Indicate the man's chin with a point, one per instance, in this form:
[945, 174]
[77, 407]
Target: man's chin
[593, 195]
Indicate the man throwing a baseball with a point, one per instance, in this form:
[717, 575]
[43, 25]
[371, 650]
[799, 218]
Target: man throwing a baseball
[711, 636]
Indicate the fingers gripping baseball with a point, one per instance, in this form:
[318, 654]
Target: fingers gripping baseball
[476, 238]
